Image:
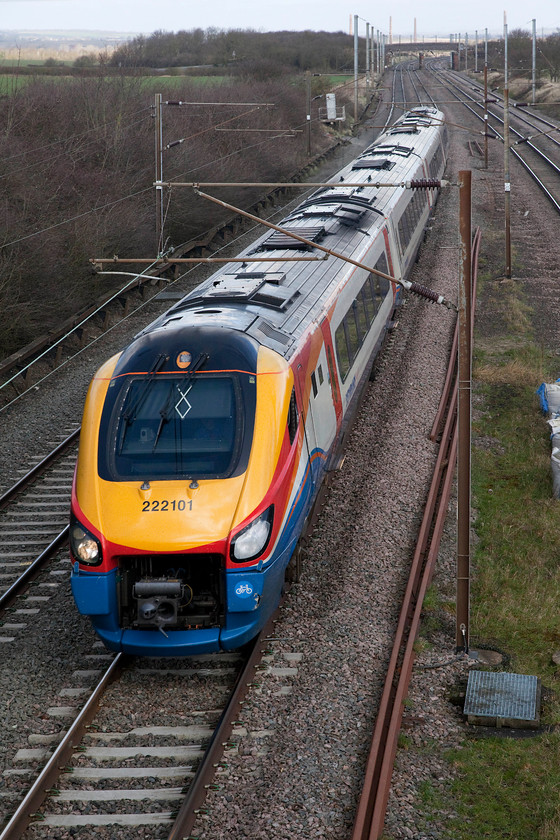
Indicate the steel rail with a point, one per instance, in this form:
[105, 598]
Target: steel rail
[23, 482]
[372, 806]
[192, 804]
[194, 801]
[522, 119]
[426, 91]
[522, 140]
[188, 812]
[370, 815]
[534, 115]
[61, 756]
[8, 597]
[35, 567]
[555, 202]
[452, 368]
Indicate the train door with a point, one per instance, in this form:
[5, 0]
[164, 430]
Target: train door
[322, 409]
[334, 383]
[309, 478]
[314, 394]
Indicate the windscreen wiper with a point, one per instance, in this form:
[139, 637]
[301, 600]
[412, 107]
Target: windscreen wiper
[200, 362]
[130, 415]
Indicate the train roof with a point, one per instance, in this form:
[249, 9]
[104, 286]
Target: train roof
[275, 301]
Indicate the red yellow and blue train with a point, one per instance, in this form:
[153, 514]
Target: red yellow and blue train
[204, 443]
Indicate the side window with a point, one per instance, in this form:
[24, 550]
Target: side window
[352, 332]
[293, 417]
[361, 315]
[332, 375]
[354, 327]
[410, 219]
[314, 384]
[342, 352]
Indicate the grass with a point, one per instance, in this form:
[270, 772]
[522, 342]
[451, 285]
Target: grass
[179, 81]
[509, 788]
[10, 83]
[505, 790]
[29, 62]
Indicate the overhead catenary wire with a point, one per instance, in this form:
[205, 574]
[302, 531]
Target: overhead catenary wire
[75, 218]
[416, 288]
[132, 313]
[145, 190]
[282, 133]
[76, 327]
[48, 162]
[70, 137]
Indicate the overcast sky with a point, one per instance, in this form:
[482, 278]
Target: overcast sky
[433, 17]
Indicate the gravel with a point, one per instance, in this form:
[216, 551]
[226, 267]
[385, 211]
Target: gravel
[301, 750]
[315, 725]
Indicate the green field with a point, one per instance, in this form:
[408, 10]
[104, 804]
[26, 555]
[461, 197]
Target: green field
[10, 83]
[509, 787]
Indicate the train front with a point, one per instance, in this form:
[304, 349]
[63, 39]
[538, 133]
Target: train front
[181, 524]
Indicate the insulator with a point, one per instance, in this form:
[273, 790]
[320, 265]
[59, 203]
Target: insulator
[425, 184]
[424, 292]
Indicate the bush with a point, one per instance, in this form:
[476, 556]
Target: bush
[91, 193]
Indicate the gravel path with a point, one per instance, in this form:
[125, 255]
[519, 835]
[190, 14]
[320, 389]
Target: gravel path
[298, 767]
[51, 641]
[342, 617]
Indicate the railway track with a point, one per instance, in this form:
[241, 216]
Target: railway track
[126, 734]
[370, 815]
[34, 518]
[149, 740]
[531, 140]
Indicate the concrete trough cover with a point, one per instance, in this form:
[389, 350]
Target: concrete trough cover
[169, 294]
[498, 699]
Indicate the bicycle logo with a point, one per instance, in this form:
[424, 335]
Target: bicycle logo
[243, 590]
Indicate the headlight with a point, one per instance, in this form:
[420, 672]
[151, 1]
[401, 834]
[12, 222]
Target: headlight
[253, 539]
[83, 545]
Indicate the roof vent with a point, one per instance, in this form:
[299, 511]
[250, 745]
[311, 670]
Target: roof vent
[373, 163]
[405, 128]
[280, 241]
[386, 149]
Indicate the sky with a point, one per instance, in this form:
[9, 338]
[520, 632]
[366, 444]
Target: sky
[440, 17]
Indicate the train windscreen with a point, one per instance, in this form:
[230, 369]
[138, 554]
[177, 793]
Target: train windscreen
[173, 426]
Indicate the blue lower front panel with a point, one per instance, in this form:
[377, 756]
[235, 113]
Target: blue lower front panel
[251, 596]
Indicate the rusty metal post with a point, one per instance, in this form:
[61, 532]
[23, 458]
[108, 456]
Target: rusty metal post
[464, 416]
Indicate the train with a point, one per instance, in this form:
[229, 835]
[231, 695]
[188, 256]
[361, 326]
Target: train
[205, 442]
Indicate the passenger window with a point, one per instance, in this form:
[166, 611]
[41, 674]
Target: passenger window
[314, 384]
[293, 417]
[354, 340]
[342, 353]
[320, 373]
[361, 314]
[332, 375]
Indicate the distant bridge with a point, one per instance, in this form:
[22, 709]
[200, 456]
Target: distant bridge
[422, 46]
